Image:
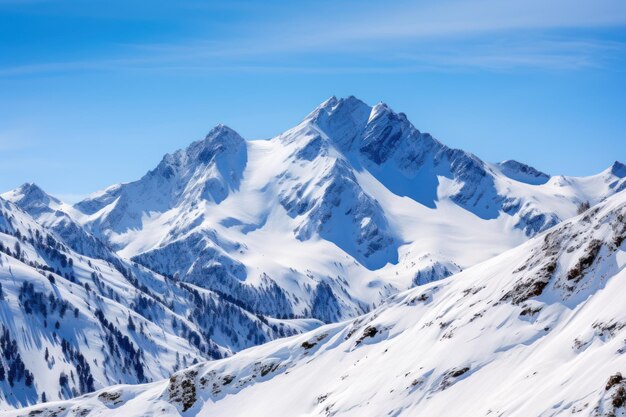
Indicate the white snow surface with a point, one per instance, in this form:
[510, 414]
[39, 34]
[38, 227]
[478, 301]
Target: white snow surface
[536, 331]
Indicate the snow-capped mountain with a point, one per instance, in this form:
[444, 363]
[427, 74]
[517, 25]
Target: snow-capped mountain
[538, 330]
[232, 243]
[358, 204]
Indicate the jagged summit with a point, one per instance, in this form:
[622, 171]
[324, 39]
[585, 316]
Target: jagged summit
[223, 135]
[29, 186]
[352, 124]
[341, 120]
[618, 169]
[333, 103]
[220, 139]
[32, 190]
[32, 198]
[219, 129]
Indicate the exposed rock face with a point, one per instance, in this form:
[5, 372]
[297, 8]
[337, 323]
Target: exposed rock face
[523, 173]
[347, 216]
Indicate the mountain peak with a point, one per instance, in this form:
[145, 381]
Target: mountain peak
[329, 102]
[30, 187]
[341, 120]
[618, 169]
[32, 192]
[339, 107]
[30, 197]
[382, 106]
[219, 130]
[383, 109]
[219, 139]
[333, 102]
[28, 184]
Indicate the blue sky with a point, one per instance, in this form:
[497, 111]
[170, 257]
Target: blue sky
[94, 93]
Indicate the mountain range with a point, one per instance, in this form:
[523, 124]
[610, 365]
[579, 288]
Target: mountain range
[405, 274]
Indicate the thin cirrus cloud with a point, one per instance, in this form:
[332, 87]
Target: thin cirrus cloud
[359, 28]
[361, 37]
[452, 18]
[486, 54]
[557, 54]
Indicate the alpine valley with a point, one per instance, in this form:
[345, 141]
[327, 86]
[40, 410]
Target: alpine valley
[350, 266]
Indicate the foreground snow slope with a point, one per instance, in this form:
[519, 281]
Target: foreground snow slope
[538, 331]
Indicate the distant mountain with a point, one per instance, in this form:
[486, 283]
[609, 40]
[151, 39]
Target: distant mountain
[354, 198]
[538, 330]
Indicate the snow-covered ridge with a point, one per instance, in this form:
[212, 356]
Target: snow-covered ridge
[537, 330]
[72, 323]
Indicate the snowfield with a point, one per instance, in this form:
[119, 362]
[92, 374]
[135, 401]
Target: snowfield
[538, 330]
[351, 265]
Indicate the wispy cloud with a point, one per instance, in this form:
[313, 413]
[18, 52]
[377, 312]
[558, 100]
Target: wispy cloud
[505, 54]
[483, 34]
[484, 54]
[428, 20]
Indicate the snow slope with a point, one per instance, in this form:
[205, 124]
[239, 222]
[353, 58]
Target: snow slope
[536, 331]
[71, 323]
